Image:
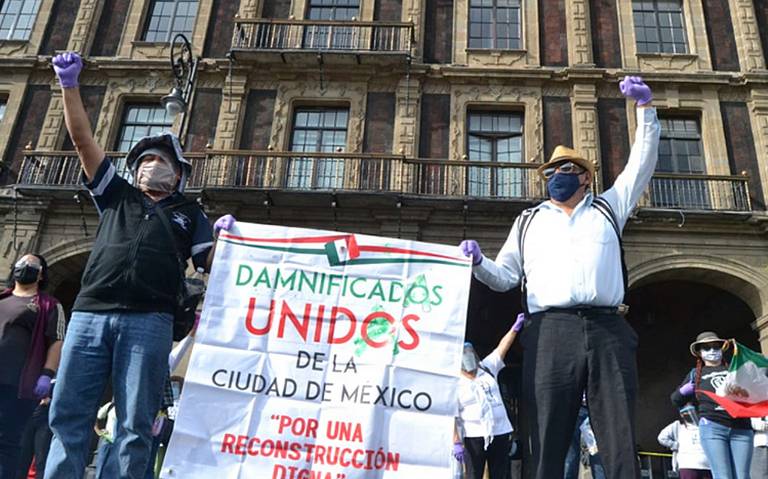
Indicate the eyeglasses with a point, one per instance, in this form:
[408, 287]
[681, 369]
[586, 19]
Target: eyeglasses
[568, 168]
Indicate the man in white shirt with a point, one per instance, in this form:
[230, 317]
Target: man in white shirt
[572, 272]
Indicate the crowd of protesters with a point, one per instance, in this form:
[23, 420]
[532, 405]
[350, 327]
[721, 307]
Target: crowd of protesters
[122, 325]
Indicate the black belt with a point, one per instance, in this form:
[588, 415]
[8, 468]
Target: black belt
[584, 310]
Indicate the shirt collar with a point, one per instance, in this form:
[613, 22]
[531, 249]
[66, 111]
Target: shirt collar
[585, 202]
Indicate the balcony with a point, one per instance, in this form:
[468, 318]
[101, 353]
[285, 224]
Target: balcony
[270, 171]
[305, 172]
[313, 41]
[697, 193]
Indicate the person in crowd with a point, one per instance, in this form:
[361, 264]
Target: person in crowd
[583, 434]
[36, 441]
[566, 255]
[106, 462]
[482, 422]
[727, 441]
[759, 467]
[122, 320]
[32, 325]
[688, 457]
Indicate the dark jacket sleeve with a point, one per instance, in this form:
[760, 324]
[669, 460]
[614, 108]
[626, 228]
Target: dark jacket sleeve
[678, 399]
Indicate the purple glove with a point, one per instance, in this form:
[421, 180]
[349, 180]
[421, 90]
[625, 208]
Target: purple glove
[471, 248]
[67, 67]
[519, 323]
[42, 386]
[635, 88]
[687, 389]
[458, 451]
[225, 223]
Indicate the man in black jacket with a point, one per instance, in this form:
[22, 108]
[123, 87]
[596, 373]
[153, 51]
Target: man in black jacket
[122, 320]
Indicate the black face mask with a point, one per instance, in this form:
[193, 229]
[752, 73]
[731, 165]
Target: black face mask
[26, 274]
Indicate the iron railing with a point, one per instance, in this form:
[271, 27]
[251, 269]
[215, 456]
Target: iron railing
[698, 192]
[352, 36]
[271, 170]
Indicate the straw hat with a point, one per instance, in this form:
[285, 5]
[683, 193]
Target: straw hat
[563, 153]
[705, 337]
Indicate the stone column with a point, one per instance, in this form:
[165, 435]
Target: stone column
[579, 34]
[53, 124]
[85, 25]
[227, 130]
[586, 138]
[22, 226]
[406, 127]
[747, 35]
[758, 105]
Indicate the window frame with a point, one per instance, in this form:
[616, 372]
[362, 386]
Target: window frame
[17, 16]
[495, 177]
[315, 180]
[674, 137]
[494, 8]
[169, 33]
[641, 46]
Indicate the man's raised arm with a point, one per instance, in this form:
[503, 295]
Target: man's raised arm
[633, 180]
[67, 67]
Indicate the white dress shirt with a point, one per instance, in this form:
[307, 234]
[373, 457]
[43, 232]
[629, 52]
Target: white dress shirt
[575, 260]
[760, 425]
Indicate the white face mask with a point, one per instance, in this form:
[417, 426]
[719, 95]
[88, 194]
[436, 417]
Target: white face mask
[469, 361]
[156, 176]
[712, 355]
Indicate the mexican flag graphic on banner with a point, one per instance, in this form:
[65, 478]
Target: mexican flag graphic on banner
[744, 393]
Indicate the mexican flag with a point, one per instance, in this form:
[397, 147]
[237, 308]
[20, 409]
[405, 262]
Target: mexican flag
[744, 393]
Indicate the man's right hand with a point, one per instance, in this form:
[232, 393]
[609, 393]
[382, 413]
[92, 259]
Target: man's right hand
[472, 249]
[67, 67]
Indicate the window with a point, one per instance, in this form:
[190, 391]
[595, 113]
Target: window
[495, 137]
[169, 17]
[17, 17]
[318, 130]
[680, 152]
[335, 37]
[140, 120]
[494, 24]
[659, 26]
[2, 108]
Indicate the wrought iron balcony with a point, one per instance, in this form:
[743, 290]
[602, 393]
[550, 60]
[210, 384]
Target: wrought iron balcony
[269, 170]
[698, 192]
[263, 38]
[360, 172]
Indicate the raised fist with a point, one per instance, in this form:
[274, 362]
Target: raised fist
[635, 88]
[225, 223]
[472, 249]
[67, 67]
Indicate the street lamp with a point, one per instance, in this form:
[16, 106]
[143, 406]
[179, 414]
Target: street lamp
[184, 66]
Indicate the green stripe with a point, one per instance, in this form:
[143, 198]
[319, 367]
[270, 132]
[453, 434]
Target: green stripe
[321, 252]
[746, 355]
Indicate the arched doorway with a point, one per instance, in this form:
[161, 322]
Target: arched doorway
[66, 265]
[668, 309]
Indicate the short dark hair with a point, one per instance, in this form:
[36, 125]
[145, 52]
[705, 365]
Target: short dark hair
[43, 283]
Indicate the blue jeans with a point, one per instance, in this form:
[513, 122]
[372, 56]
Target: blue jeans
[728, 450]
[131, 346]
[573, 459]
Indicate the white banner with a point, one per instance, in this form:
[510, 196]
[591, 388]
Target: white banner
[323, 355]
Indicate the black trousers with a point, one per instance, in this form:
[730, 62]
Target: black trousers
[14, 414]
[497, 457]
[35, 443]
[564, 354]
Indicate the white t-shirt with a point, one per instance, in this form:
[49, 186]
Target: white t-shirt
[480, 393]
[689, 453]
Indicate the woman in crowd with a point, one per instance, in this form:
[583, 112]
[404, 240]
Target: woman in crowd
[31, 330]
[483, 423]
[727, 441]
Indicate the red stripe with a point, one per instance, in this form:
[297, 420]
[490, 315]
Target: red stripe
[739, 409]
[311, 239]
[387, 249]
[326, 239]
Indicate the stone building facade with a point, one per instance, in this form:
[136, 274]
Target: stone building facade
[420, 119]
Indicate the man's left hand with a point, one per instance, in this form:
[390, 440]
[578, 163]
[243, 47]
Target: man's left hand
[43, 386]
[635, 88]
[225, 223]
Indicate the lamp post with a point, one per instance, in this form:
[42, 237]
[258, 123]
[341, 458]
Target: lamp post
[184, 67]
